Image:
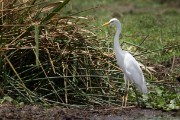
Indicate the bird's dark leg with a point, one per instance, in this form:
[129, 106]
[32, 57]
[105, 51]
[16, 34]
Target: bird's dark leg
[137, 99]
[125, 96]
[127, 92]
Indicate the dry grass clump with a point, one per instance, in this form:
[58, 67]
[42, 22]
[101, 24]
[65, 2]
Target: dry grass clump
[49, 58]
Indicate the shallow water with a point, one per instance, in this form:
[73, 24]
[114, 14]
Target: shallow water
[114, 117]
[138, 114]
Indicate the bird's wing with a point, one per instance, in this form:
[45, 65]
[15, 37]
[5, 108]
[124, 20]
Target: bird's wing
[134, 72]
[131, 64]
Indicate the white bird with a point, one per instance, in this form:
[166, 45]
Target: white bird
[128, 64]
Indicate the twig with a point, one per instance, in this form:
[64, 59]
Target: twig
[172, 66]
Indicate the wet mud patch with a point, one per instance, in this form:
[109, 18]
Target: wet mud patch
[33, 112]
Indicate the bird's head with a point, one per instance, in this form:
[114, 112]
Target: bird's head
[113, 21]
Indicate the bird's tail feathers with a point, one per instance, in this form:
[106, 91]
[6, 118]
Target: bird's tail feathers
[144, 89]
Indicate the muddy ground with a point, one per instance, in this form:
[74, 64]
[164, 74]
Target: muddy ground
[32, 112]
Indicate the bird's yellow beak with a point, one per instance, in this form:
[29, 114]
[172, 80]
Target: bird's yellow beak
[105, 24]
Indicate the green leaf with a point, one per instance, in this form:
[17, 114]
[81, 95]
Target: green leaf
[8, 99]
[159, 91]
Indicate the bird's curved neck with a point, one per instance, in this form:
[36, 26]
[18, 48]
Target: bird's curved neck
[116, 38]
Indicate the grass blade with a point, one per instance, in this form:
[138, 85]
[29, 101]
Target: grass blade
[37, 43]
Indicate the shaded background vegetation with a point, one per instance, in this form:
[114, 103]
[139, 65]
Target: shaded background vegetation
[57, 52]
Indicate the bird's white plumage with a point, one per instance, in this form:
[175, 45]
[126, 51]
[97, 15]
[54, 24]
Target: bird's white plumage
[127, 62]
[134, 72]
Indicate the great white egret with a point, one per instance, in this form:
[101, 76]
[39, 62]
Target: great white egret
[128, 64]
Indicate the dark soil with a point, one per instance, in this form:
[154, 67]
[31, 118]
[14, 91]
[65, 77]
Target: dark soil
[168, 70]
[33, 112]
